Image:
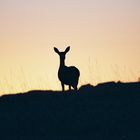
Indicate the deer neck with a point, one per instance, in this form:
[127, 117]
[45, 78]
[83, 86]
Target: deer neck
[62, 64]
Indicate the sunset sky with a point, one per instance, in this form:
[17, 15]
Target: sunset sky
[104, 36]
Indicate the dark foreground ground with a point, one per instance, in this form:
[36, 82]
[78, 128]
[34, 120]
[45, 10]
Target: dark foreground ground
[109, 111]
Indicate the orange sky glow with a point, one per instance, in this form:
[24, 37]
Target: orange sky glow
[104, 37]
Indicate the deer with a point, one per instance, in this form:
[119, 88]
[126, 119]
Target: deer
[67, 75]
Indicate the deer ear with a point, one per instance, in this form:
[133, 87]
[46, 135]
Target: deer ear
[56, 50]
[67, 49]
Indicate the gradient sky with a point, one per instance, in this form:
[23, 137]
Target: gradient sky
[104, 36]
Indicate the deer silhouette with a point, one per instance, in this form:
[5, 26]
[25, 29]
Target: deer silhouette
[67, 75]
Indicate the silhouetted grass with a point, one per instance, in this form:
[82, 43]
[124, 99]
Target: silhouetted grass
[108, 111]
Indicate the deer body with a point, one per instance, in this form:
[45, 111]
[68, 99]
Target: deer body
[67, 75]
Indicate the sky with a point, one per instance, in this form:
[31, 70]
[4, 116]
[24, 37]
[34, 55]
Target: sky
[104, 36]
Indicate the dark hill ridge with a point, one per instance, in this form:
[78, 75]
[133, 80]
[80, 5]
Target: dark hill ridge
[108, 111]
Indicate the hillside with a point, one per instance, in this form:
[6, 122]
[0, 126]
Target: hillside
[108, 111]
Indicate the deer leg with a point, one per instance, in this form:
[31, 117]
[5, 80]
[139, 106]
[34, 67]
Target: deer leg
[63, 87]
[69, 87]
[75, 87]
